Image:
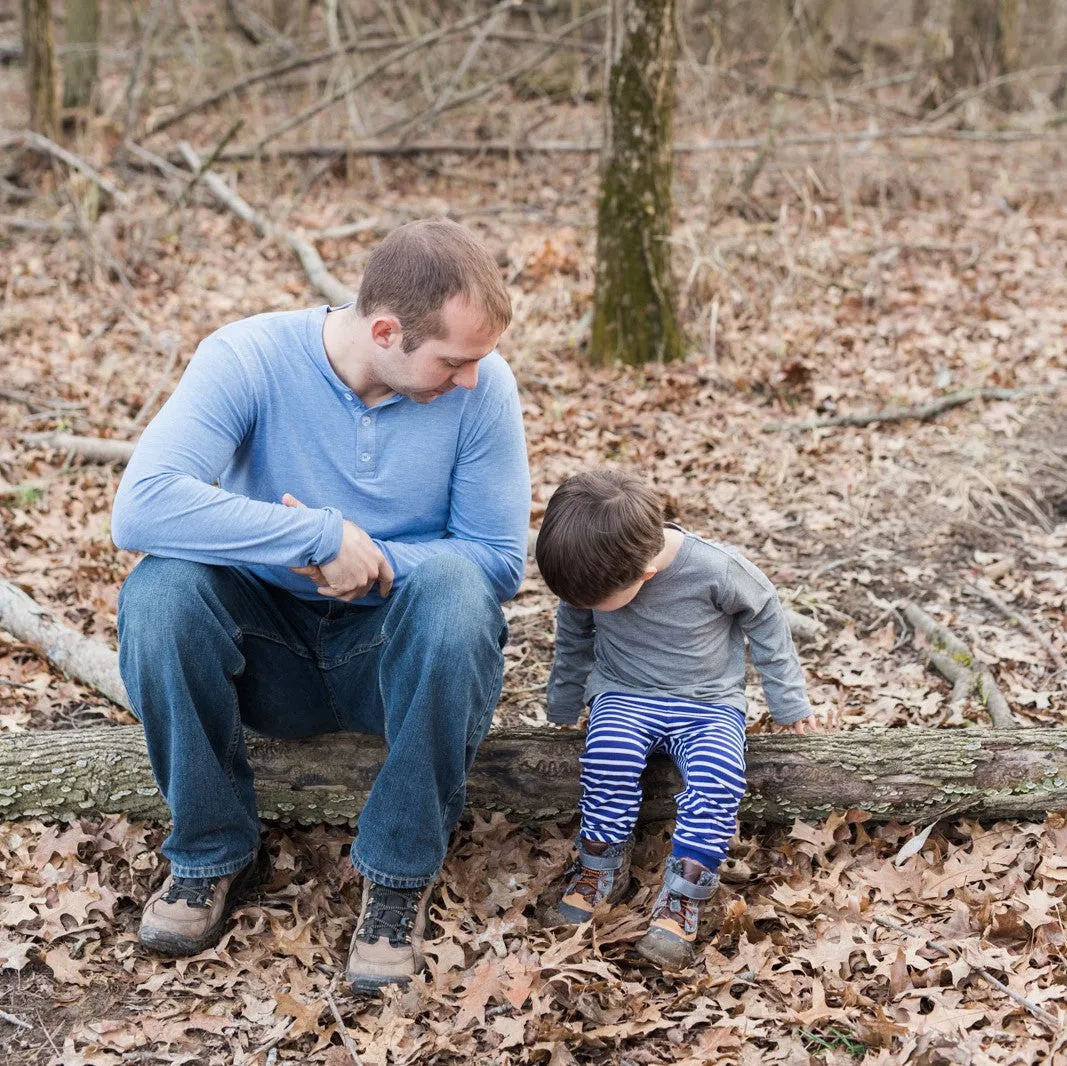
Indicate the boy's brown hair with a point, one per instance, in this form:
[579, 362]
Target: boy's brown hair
[419, 267]
[600, 531]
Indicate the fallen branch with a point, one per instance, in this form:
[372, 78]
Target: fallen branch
[37, 142]
[317, 273]
[907, 774]
[1038, 1012]
[954, 661]
[4, 1016]
[82, 658]
[593, 147]
[920, 412]
[95, 449]
[1023, 623]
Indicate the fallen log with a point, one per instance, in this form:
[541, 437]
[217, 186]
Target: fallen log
[907, 774]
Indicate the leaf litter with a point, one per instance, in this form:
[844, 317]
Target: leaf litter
[803, 317]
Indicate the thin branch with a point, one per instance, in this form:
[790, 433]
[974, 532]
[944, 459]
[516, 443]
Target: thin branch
[1021, 621]
[415, 45]
[919, 412]
[37, 142]
[276, 71]
[342, 1032]
[4, 1016]
[1038, 1012]
[134, 86]
[209, 160]
[960, 98]
[320, 277]
[499, 12]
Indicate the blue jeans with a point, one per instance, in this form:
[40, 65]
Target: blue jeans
[206, 650]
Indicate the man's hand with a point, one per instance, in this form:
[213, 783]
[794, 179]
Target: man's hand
[810, 724]
[352, 573]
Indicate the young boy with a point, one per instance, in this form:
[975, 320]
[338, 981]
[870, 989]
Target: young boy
[651, 633]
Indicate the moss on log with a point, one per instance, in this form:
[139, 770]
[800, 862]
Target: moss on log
[908, 774]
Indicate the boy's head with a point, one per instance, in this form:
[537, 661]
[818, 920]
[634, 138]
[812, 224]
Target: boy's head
[600, 533]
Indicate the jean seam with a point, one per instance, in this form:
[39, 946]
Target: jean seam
[220, 869]
[274, 638]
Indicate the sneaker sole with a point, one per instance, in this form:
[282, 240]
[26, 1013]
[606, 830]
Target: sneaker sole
[669, 952]
[176, 946]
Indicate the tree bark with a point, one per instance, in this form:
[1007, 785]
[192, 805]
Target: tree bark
[81, 60]
[634, 314]
[907, 774]
[38, 42]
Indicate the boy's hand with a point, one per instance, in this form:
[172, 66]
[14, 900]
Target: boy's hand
[810, 724]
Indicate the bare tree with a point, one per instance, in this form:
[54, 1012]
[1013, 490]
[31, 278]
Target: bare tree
[985, 41]
[634, 314]
[81, 57]
[40, 50]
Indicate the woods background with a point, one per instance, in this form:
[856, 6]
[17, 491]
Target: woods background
[858, 300]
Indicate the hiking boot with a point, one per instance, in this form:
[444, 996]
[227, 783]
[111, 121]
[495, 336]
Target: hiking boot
[672, 934]
[187, 915]
[591, 881]
[386, 947]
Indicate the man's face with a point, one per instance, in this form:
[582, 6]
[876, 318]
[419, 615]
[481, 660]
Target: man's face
[438, 366]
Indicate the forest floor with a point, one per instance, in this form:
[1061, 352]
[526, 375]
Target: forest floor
[847, 281]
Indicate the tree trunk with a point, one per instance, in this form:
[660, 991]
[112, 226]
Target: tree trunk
[907, 774]
[82, 56]
[38, 42]
[634, 315]
[985, 42]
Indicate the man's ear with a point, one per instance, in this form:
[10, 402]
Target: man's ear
[649, 573]
[385, 330]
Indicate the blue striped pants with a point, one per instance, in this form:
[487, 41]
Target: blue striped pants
[707, 744]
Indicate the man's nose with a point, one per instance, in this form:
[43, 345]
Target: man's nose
[467, 378]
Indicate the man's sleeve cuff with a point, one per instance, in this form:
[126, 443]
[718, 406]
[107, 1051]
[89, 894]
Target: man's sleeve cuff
[329, 539]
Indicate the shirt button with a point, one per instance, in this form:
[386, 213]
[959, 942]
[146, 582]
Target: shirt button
[365, 457]
[365, 420]
[348, 396]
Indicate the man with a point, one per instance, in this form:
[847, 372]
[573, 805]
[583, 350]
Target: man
[346, 572]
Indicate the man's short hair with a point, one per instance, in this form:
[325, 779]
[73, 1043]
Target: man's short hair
[600, 531]
[419, 267]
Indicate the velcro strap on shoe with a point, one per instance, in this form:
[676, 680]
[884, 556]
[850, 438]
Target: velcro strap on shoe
[601, 862]
[679, 886]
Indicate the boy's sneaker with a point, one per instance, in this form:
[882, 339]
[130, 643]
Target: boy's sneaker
[187, 914]
[386, 947]
[672, 934]
[590, 881]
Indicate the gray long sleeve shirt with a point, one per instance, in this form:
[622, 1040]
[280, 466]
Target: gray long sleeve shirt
[682, 635]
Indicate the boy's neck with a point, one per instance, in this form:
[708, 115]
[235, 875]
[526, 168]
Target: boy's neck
[673, 539]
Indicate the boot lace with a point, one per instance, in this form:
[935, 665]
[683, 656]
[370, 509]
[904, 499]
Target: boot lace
[583, 881]
[682, 909]
[390, 913]
[196, 891]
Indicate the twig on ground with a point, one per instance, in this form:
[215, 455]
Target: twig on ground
[37, 225]
[1038, 1012]
[1021, 621]
[960, 98]
[954, 661]
[321, 279]
[342, 1031]
[37, 142]
[4, 1016]
[919, 412]
[34, 403]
